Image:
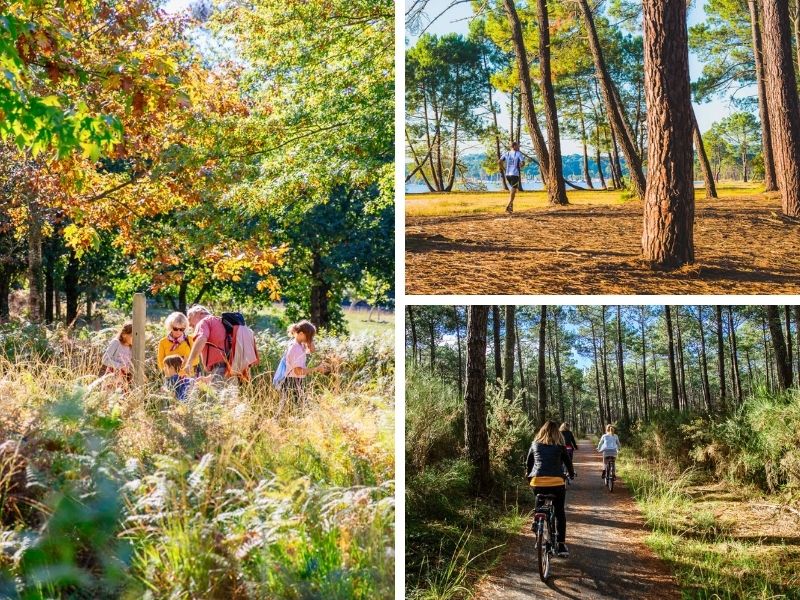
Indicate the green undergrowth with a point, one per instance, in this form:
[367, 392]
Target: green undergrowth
[453, 536]
[106, 494]
[719, 544]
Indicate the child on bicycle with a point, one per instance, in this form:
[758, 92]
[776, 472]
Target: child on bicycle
[543, 469]
[609, 445]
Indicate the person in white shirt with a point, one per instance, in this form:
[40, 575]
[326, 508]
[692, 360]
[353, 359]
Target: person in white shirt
[512, 162]
[608, 445]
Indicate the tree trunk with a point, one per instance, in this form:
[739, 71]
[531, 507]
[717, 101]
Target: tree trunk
[493, 110]
[320, 289]
[720, 357]
[71, 290]
[49, 287]
[460, 378]
[621, 370]
[521, 370]
[770, 181]
[413, 325]
[681, 359]
[526, 92]
[498, 361]
[704, 363]
[601, 410]
[645, 398]
[797, 333]
[556, 190]
[508, 359]
[668, 241]
[705, 166]
[604, 361]
[586, 177]
[5, 292]
[788, 315]
[541, 383]
[783, 363]
[613, 112]
[432, 334]
[476, 436]
[737, 380]
[557, 363]
[782, 102]
[673, 378]
[616, 161]
[35, 267]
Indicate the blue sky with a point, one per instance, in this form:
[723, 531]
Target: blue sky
[457, 20]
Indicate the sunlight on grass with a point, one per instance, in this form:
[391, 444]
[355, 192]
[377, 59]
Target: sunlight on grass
[429, 205]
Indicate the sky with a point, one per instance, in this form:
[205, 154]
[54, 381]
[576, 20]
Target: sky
[456, 20]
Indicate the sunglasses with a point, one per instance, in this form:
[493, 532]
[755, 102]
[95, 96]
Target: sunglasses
[179, 329]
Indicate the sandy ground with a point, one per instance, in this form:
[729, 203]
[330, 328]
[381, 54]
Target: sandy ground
[743, 245]
[608, 556]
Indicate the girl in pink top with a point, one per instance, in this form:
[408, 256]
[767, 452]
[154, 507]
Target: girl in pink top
[296, 369]
[118, 357]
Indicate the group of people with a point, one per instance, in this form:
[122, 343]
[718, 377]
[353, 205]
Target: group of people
[204, 355]
[550, 452]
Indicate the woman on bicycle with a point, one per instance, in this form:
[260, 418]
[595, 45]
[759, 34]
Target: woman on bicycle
[545, 475]
[569, 439]
[609, 445]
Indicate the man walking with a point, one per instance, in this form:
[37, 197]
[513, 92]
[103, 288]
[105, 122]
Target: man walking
[513, 166]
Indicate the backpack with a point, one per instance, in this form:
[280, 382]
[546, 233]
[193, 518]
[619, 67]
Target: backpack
[235, 326]
[280, 373]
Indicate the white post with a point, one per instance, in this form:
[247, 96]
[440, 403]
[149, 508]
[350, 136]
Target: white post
[139, 320]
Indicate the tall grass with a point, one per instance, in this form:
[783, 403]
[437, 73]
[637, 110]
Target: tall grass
[132, 494]
[453, 535]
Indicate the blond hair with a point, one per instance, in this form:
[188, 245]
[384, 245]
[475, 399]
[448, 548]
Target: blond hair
[611, 429]
[176, 318]
[564, 426]
[549, 434]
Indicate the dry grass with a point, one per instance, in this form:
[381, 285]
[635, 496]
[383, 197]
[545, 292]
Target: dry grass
[742, 246]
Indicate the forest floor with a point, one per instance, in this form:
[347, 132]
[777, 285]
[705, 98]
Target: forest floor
[465, 244]
[606, 538]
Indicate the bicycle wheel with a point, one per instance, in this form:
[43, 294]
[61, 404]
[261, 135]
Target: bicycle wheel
[543, 550]
[610, 475]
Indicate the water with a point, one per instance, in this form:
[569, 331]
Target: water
[496, 186]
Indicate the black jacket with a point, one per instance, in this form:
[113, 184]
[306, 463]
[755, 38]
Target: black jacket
[546, 459]
[569, 439]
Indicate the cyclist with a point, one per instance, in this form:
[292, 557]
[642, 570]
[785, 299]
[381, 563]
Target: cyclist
[545, 476]
[609, 445]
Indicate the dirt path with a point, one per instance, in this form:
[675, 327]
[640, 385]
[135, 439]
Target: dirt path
[608, 557]
[742, 246]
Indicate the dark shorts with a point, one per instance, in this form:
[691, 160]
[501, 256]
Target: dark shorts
[513, 181]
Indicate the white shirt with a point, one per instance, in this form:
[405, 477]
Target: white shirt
[513, 160]
[295, 357]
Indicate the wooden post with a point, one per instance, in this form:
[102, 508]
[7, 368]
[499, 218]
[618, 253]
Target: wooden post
[139, 320]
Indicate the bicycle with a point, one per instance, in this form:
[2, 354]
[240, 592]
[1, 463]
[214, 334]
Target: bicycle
[544, 527]
[611, 472]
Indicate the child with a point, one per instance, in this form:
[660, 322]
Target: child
[609, 445]
[296, 370]
[174, 381]
[118, 357]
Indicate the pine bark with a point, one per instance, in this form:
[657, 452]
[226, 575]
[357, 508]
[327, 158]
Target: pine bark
[673, 377]
[737, 380]
[782, 101]
[541, 375]
[702, 157]
[508, 359]
[526, 92]
[704, 363]
[613, 111]
[720, 356]
[476, 436]
[783, 364]
[621, 370]
[556, 190]
[412, 322]
[668, 239]
[498, 361]
[770, 181]
[460, 378]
